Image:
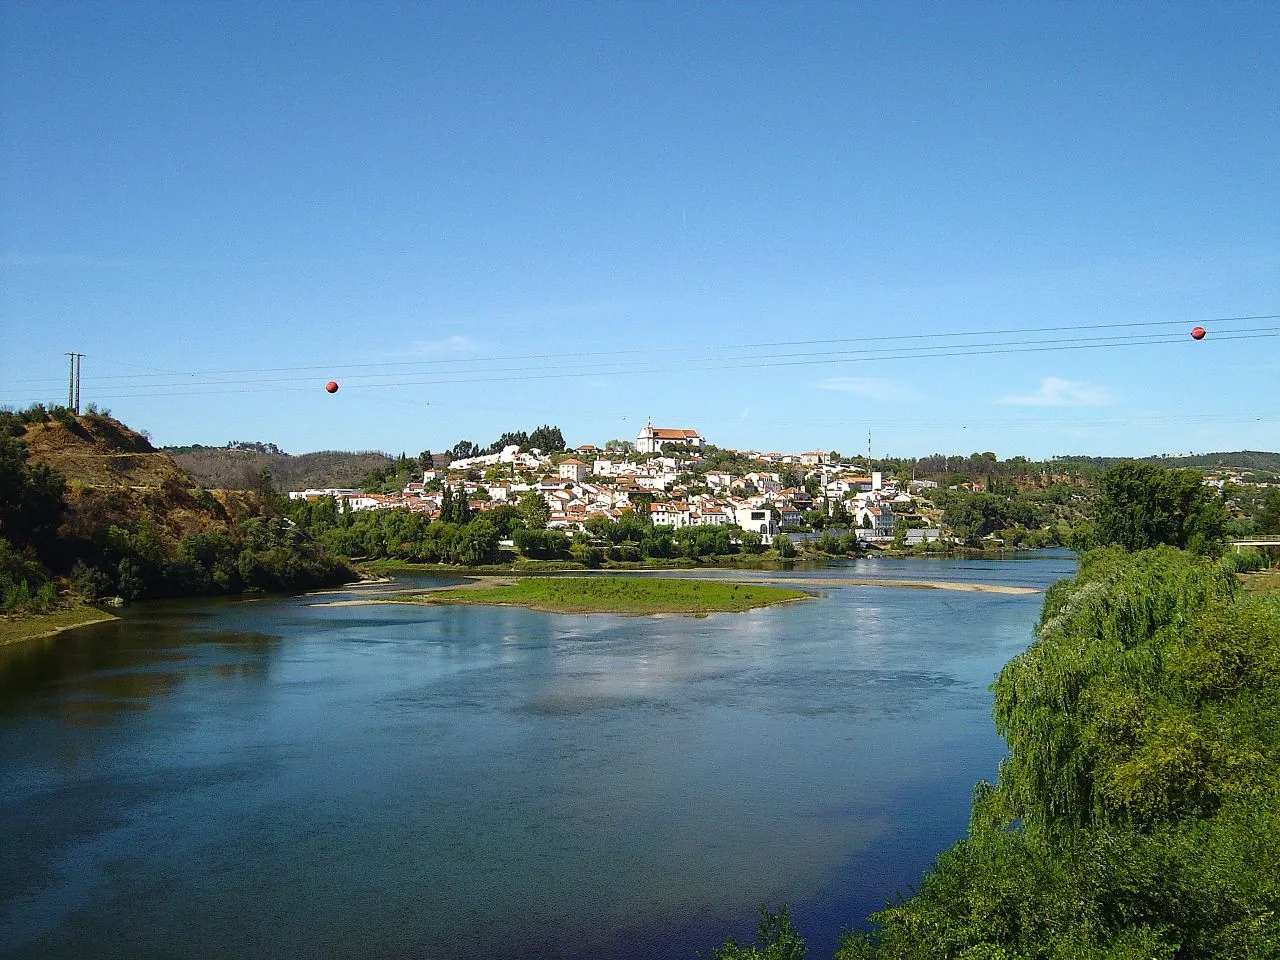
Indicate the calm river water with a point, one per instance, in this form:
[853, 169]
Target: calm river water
[275, 778]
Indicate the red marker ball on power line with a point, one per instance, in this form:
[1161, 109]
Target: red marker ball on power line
[331, 386]
[1197, 333]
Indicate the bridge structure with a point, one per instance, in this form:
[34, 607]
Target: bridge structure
[1267, 541]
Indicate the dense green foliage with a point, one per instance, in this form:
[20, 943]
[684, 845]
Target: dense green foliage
[399, 534]
[1142, 506]
[30, 498]
[1269, 515]
[776, 939]
[1138, 814]
[30, 510]
[259, 553]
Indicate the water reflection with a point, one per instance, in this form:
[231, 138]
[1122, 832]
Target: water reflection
[256, 780]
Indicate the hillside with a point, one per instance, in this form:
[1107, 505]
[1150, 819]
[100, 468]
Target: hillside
[1238, 460]
[115, 476]
[97, 450]
[227, 468]
[91, 500]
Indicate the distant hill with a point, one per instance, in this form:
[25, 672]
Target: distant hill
[238, 468]
[1239, 460]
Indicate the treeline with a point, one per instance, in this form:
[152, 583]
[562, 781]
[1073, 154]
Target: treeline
[241, 467]
[258, 554]
[546, 438]
[460, 537]
[402, 534]
[1053, 517]
[1244, 460]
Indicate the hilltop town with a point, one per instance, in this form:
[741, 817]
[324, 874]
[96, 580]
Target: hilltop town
[676, 478]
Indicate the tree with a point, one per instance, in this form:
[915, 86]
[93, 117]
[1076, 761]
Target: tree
[260, 481]
[641, 501]
[464, 450]
[1269, 516]
[478, 543]
[534, 510]
[461, 509]
[776, 939]
[1143, 506]
[542, 544]
[31, 502]
[782, 543]
[547, 438]
[974, 516]
[517, 438]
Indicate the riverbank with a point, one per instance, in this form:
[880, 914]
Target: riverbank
[527, 567]
[640, 594]
[1264, 581]
[35, 626]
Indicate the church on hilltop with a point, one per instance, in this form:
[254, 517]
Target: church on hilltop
[652, 438]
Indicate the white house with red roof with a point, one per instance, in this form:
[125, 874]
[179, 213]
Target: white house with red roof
[652, 438]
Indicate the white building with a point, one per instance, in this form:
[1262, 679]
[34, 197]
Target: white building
[338, 493]
[758, 519]
[674, 515]
[574, 470]
[652, 438]
[881, 520]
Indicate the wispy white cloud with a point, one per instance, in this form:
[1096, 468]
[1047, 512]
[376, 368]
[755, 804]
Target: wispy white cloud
[871, 388]
[1057, 392]
[445, 345]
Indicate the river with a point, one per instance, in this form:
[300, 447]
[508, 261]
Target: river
[254, 779]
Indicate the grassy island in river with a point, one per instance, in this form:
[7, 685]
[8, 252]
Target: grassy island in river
[626, 595]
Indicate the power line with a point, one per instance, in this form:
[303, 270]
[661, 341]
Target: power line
[507, 374]
[649, 351]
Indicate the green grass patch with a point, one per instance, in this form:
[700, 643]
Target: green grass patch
[625, 595]
[16, 627]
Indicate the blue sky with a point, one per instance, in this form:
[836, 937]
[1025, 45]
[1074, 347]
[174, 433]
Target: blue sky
[481, 217]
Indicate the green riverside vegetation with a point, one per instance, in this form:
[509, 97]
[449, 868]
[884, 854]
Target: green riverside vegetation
[1138, 813]
[626, 595]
